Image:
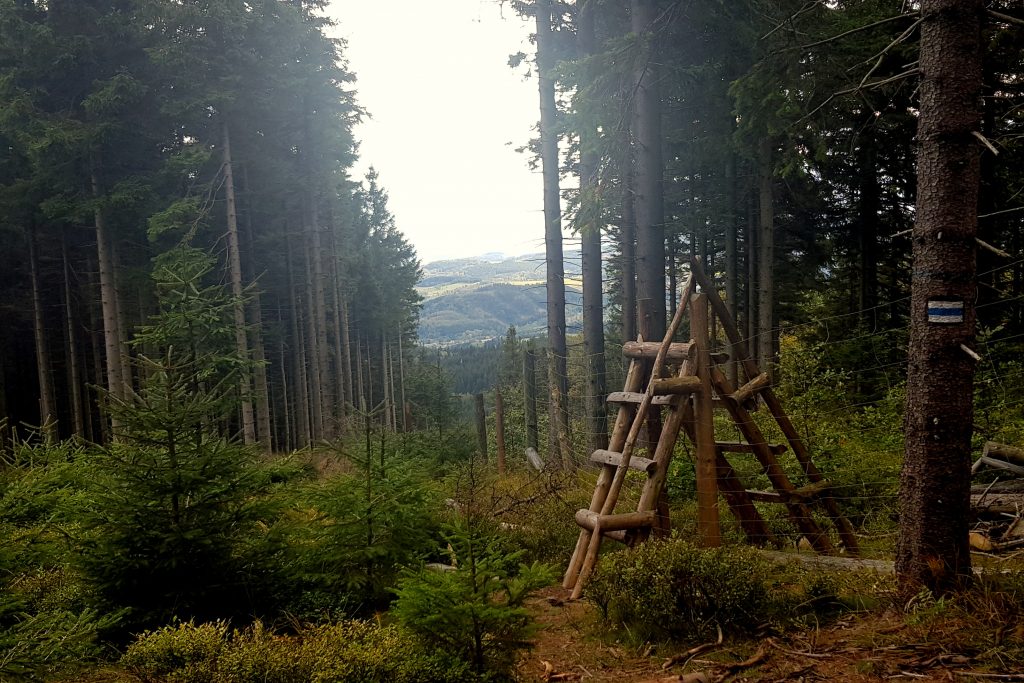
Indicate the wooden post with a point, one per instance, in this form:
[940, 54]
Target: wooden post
[708, 526]
[499, 428]
[530, 391]
[796, 443]
[481, 426]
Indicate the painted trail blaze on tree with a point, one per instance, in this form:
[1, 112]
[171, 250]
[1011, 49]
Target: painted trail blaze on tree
[935, 481]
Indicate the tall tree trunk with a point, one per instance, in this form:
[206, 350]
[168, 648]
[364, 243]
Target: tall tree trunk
[593, 276]
[627, 249]
[650, 211]
[300, 392]
[237, 291]
[346, 352]
[732, 275]
[284, 437]
[71, 346]
[312, 347]
[869, 206]
[752, 316]
[112, 342]
[935, 482]
[95, 333]
[264, 422]
[558, 377]
[766, 258]
[47, 401]
[530, 394]
[337, 323]
[320, 310]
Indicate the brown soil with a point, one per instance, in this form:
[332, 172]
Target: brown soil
[951, 645]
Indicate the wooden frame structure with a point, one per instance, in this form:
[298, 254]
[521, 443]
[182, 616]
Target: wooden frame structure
[690, 394]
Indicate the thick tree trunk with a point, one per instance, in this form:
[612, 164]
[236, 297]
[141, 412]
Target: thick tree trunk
[558, 379]
[320, 312]
[237, 292]
[935, 482]
[108, 302]
[47, 404]
[74, 367]
[627, 248]
[650, 211]
[346, 352]
[593, 277]
[766, 259]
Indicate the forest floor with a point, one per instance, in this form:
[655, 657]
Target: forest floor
[943, 644]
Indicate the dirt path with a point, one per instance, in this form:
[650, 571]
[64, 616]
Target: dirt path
[857, 648]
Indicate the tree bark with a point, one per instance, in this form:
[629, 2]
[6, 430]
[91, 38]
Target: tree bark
[312, 347]
[932, 551]
[47, 405]
[237, 292]
[112, 342]
[481, 425]
[650, 210]
[593, 277]
[558, 377]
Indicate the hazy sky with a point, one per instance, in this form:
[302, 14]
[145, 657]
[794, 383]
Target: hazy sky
[447, 116]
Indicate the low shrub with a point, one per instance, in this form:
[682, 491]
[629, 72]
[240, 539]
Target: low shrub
[673, 589]
[347, 652]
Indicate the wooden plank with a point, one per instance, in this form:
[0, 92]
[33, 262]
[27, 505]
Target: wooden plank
[677, 351]
[603, 457]
[637, 397]
[742, 447]
[628, 520]
[708, 523]
[679, 386]
[750, 369]
[804, 494]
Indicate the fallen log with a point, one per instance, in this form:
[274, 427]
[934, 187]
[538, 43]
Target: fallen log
[997, 503]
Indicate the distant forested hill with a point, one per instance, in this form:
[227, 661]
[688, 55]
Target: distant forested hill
[476, 299]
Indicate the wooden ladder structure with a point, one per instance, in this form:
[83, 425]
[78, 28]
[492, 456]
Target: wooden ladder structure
[690, 394]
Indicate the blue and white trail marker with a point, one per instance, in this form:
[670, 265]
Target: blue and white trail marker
[946, 311]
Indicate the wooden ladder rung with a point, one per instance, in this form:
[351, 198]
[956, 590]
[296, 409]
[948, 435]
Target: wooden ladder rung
[637, 397]
[688, 384]
[603, 457]
[590, 520]
[677, 352]
[740, 447]
[745, 392]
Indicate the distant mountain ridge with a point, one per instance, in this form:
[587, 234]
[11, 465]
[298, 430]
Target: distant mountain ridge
[474, 300]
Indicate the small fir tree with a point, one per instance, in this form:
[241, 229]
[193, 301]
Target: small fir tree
[174, 498]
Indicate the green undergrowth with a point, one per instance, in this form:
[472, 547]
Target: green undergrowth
[350, 652]
[674, 590]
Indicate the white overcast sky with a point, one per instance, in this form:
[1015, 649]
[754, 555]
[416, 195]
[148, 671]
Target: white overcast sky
[447, 116]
